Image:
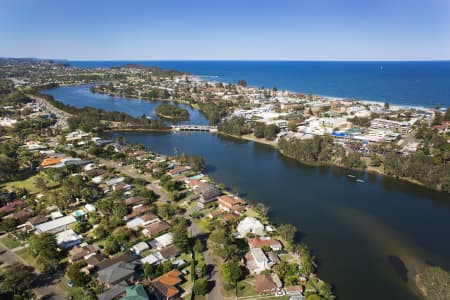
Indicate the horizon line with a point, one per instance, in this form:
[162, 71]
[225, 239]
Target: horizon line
[237, 60]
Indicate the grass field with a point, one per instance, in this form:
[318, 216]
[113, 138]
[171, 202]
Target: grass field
[10, 241]
[29, 258]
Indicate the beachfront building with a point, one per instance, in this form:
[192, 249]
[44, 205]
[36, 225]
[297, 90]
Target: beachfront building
[402, 127]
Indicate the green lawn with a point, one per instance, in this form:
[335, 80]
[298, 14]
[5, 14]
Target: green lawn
[29, 184]
[29, 258]
[245, 288]
[10, 241]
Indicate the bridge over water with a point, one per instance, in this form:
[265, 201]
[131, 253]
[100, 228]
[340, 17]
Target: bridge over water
[205, 128]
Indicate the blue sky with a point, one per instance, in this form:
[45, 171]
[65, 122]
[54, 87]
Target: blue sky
[244, 29]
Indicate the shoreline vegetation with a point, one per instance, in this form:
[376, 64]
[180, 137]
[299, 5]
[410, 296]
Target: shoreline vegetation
[172, 112]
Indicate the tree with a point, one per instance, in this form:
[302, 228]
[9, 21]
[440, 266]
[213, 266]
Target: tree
[180, 237]
[287, 232]
[200, 287]
[270, 132]
[198, 246]
[262, 209]
[197, 162]
[259, 130]
[76, 275]
[292, 126]
[45, 248]
[386, 105]
[447, 114]
[242, 82]
[16, 280]
[231, 272]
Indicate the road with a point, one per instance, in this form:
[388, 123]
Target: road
[61, 115]
[133, 173]
[46, 288]
[211, 265]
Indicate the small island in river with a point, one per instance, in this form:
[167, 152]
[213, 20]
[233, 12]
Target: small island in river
[172, 112]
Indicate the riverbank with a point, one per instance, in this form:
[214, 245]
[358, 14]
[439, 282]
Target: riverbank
[368, 169]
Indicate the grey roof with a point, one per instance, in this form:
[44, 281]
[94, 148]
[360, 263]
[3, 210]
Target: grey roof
[114, 291]
[117, 272]
[209, 191]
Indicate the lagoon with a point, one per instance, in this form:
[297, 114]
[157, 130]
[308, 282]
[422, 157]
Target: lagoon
[369, 237]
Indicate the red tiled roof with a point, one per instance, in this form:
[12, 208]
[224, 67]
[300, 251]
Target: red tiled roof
[259, 243]
[12, 206]
[166, 283]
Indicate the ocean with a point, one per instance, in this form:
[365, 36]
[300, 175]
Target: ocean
[414, 83]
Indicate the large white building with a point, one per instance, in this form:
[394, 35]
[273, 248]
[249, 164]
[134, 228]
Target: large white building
[250, 225]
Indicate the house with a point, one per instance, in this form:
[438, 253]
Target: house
[82, 251]
[134, 200]
[56, 226]
[166, 286]
[140, 247]
[127, 257]
[153, 259]
[179, 170]
[38, 219]
[250, 225]
[11, 206]
[170, 252]
[94, 261]
[120, 271]
[207, 193]
[143, 220]
[257, 261]
[261, 242]
[162, 241]
[136, 292]
[51, 161]
[229, 204]
[67, 239]
[138, 210]
[114, 292]
[155, 228]
[267, 283]
[295, 292]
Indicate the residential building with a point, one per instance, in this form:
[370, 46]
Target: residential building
[136, 292]
[162, 241]
[261, 242]
[56, 226]
[120, 271]
[267, 283]
[207, 193]
[250, 225]
[167, 285]
[257, 261]
[67, 239]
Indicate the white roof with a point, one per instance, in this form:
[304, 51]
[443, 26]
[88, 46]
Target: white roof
[47, 226]
[67, 237]
[259, 255]
[152, 258]
[90, 207]
[140, 247]
[134, 223]
[250, 223]
[163, 240]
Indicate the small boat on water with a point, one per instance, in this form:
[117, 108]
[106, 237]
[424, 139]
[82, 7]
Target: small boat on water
[360, 180]
[351, 176]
